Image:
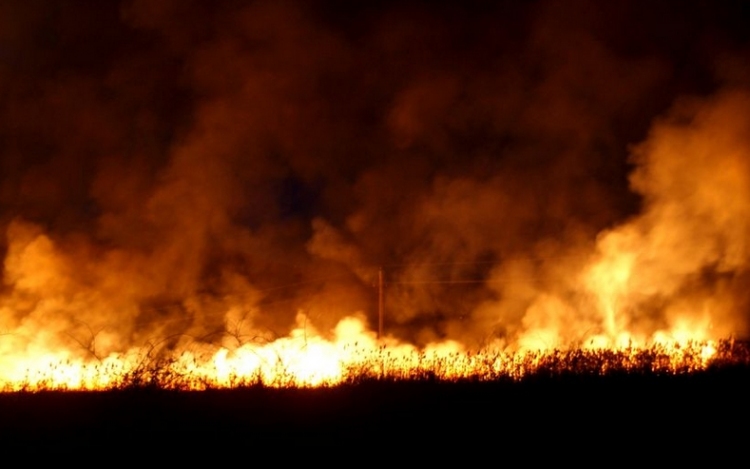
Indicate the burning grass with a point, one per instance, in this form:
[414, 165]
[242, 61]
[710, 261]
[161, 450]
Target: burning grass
[314, 364]
[379, 401]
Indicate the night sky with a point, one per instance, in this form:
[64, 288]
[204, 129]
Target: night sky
[182, 167]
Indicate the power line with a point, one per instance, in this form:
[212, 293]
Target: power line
[496, 262]
[305, 282]
[430, 264]
[425, 282]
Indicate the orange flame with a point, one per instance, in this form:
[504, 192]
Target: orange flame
[657, 292]
[306, 359]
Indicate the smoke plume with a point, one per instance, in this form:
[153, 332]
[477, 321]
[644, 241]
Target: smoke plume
[525, 173]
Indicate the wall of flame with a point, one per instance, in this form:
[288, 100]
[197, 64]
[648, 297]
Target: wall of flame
[180, 175]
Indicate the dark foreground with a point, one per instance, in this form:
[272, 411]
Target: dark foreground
[420, 418]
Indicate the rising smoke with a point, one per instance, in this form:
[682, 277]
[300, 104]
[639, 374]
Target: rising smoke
[526, 173]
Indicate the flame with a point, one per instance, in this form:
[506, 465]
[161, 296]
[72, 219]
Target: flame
[307, 359]
[657, 292]
[34, 356]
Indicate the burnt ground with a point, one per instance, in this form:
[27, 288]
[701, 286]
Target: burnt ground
[574, 416]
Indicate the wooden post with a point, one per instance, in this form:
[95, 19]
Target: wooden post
[381, 298]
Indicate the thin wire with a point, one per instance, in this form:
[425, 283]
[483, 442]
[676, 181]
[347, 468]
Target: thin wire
[530, 257]
[351, 275]
[419, 264]
[306, 282]
[422, 282]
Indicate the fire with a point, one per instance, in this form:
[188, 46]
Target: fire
[307, 359]
[242, 193]
[139, 300]
[39, 349]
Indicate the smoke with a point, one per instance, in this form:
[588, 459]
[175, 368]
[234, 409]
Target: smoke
[685, 257]
[188, 172]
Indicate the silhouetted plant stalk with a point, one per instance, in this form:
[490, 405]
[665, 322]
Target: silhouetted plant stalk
[150, 368]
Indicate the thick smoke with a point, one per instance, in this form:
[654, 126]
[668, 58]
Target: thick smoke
[679, 267]
[685, 258]
[182, 171]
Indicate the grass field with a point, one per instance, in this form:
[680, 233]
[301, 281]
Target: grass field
[617, 407]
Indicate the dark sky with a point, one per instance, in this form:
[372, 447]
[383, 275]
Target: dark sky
[180, 166]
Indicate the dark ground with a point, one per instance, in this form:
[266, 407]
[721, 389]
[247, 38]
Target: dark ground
[628, 414]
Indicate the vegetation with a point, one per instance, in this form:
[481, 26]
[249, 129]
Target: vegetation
[186, 372]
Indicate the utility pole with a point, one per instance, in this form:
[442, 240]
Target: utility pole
[381, 298]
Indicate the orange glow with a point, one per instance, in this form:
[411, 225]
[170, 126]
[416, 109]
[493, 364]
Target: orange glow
[242, 193]
[183, 308]
[305, 359]
[43, 349]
